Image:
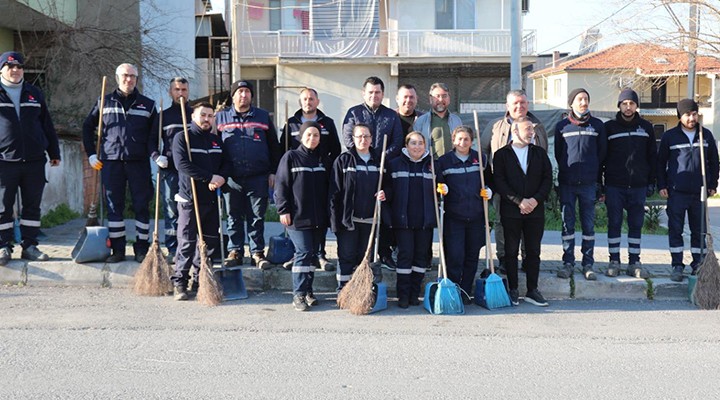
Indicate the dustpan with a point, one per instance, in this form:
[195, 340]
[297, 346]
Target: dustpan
[92, 246]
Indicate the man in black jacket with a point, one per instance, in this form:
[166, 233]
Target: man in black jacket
[205, 164]
[629, 176]
[26, 135]
[522, 175]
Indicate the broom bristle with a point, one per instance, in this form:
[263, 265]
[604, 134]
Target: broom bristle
[152, 278]
[357, 295]
[210, 292]
[496, 295]
[447, 298]
[707, 287]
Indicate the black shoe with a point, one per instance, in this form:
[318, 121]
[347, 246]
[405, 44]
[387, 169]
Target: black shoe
[299, 303]
[32, 253]
[465, 298]
[589, 273]
[534, 297]
[115, 257]
[311, 300]
[180, 293]
[5, 255]
[325, 265]
[193, 288]
[514, 297]
[403, 302]
[388, 263]
[140, 257]
[485, 273]
[414, 301]
[233, 259]
[677, 273]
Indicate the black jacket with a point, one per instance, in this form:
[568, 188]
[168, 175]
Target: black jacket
[631, 153]
[208, 159]
[401, 173]
[463, 200]
[172, 126]
[329, 142]
[26, 138]
[301, 188]
[513, 184]
[352, 181]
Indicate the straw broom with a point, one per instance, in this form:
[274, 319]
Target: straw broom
[153, 276]
[496, 295]
[707, 288]
[357, 295]
[92, 218]
[210, 292]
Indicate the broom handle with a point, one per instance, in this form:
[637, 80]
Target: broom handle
[437, 214]
[376, 214]
[220, 226]
[97, 145]
[201, 241]
[157, 177]
[287, 146]
[488, 245]
[703, 195]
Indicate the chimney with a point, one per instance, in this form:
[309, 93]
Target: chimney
[555, 58]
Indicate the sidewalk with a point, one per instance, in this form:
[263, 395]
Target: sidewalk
[62, 271]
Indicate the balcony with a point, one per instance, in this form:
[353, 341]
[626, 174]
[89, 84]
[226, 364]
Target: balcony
[400, 43]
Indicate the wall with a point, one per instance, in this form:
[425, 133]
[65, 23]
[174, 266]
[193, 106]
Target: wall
[602, 88]
[413, 14]
[492, 14]
[63, 10]
[7, 42]
[65, 182]
[339, 86]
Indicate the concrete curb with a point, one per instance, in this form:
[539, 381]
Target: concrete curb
[120, 275]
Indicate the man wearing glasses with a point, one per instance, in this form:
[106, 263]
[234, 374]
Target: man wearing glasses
[127, 141]
[172, 124]
[26, 134]
[437, 125]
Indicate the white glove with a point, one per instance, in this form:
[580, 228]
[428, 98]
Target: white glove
[489, 192]
[95, 163]
[161, 161]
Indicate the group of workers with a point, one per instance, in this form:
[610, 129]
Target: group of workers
[236, 156]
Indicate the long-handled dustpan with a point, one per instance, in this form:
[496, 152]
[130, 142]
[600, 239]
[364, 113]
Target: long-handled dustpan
[490, 292]
[231, 278]
[443, 296]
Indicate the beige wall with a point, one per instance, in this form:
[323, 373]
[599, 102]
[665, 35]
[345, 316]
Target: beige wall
[339, 86]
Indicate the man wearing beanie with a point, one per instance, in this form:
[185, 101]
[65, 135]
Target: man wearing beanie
[629, 176]
[26, 135]
[253, 150]
[580, 144]
[680, 180]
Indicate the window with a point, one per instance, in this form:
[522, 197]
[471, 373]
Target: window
[455, 14]
[556, 88]
[275, 15]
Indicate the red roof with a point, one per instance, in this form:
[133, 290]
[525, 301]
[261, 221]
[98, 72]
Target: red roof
[646, 58]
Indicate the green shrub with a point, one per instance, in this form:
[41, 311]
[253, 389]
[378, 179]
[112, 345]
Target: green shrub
[58, 216]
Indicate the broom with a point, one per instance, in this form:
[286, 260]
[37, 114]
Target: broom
[496, 295]
[153, 276]
[92, 218]
[447, 296]
[357, 295]
[707, 287]
[210, 292]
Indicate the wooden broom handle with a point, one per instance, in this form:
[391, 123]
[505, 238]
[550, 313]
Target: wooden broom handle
[200, 239]
[488, 245]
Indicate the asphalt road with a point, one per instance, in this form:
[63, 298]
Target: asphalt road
[107, 343]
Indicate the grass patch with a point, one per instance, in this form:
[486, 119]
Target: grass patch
[271, 214]
[58, 216]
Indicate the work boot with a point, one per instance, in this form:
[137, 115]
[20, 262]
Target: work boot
[233, 259]
[637, 271]
[32, 253]
[259, 260]
[311, 300]
[566, 271]
[325, 265]
[677, 273]
[388, 263]
[404, 302]
[287, 265]
[140, 257]
[299, 303]
[589, 273]
[116, 257]
[613, 269]
[180, 293]
[5, 255]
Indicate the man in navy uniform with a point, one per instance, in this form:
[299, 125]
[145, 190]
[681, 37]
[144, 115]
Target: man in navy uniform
[124, 160]
[26, 135]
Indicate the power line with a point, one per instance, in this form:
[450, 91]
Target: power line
[594, 26]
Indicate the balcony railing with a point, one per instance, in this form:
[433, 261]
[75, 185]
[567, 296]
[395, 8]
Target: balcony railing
[401, 43]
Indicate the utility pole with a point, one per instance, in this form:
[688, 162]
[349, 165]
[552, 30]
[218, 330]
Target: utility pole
[234, 43]
[515, 44]
[692, 50]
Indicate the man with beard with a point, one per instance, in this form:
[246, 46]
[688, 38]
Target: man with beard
[680, 181]
[437, 125]
[407, 101]
[629, 176]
